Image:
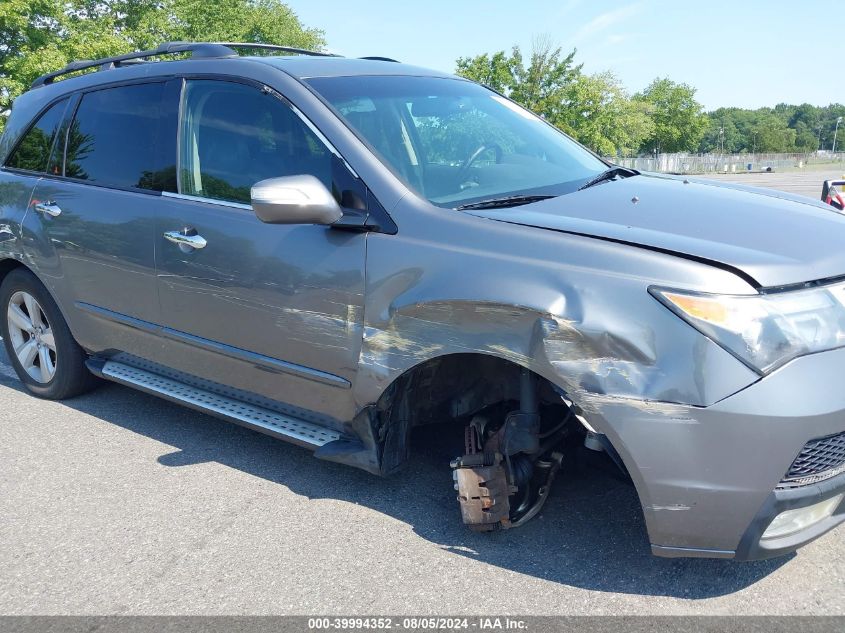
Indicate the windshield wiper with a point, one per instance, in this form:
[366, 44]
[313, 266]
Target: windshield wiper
[507, 201]
[609, 174]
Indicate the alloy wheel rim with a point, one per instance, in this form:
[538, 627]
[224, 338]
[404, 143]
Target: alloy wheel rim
[31, 337]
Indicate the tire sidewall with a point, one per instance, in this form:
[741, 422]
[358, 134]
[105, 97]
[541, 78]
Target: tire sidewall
[66, 352]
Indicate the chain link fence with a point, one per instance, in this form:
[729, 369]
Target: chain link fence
[729, 163]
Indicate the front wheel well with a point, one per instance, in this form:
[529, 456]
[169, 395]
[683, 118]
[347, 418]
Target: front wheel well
[451, 387]
[508, 432]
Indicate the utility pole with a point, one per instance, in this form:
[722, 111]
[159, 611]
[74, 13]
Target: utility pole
[838, 121]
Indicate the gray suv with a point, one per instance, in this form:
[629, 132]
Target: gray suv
[335, 251]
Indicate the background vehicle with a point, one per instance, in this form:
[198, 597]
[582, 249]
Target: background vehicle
[334, 251]
[831, 194]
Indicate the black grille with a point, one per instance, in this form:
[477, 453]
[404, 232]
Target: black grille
[820, 459]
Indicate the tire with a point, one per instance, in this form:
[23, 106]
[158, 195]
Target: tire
[55, 363]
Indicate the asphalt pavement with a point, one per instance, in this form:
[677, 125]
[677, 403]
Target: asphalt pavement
[807, 182]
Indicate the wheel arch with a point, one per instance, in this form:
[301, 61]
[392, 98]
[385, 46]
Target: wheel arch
[444, 386]
[9, 264]
[398, 408]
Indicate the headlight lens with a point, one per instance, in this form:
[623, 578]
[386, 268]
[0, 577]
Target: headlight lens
[766, 330]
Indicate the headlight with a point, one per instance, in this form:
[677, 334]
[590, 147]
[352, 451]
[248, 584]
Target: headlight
[765, 330]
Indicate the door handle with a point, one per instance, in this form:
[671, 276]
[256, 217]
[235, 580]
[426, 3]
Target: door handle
[48, 208]
[186, 239]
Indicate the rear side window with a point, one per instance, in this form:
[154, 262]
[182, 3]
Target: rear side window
[115, 139]
[34, 151]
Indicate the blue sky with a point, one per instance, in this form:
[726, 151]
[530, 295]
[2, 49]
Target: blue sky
[746, 53]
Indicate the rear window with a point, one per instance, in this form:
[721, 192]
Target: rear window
[34, 151]
[114, 139]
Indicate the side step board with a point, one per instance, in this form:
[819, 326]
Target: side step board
[280, 425]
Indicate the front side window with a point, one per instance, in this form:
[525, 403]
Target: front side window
[456, 142]
[233, 135]
[36, 150]
[115, 139]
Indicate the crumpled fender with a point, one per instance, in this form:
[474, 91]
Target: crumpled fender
[590, 329]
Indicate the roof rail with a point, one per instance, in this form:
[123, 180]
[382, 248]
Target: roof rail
[379, 58]
[208, 50]
[275, 47]
[198, 49]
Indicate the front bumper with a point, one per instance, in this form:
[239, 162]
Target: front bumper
[707, 476]
[753, 547]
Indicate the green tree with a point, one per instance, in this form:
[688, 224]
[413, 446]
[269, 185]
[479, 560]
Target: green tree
[493, 70]
[772, 134]
[828, 123]
[600, 114]
[679, 121]
[539, 84]
[805, 138]
[721, 135]
[784, 128]
[807, 114]
[39, 36]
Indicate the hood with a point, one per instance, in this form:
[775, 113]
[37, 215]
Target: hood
[773, 238]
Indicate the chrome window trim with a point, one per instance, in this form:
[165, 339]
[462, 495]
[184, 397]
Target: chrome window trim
[179, 113]
[220, 203]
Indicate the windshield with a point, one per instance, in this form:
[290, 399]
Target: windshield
[456, 142]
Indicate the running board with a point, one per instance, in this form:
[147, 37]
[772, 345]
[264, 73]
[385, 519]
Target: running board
[280, 425]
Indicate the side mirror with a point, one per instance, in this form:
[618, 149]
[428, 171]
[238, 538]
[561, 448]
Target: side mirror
[294, 200]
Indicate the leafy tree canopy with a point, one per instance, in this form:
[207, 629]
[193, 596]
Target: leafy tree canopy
[594, 109]
[679, 121]
[538, 83]
[601, 115]
[39, 36]
[784, 128]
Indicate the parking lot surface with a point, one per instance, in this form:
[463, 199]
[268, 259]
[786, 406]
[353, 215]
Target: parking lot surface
[806, 183]
[119, 503]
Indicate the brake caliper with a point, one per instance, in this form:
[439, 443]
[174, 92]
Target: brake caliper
[482, 482]
[504, 480]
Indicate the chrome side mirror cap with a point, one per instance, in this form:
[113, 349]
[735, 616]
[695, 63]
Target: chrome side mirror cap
[299, 199]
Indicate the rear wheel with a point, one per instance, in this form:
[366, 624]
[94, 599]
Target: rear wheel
[38, 341]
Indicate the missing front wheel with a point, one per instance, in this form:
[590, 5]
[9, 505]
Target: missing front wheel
[504, 477]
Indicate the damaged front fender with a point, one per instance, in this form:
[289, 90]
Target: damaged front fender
[587, 329]
[573, 310]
